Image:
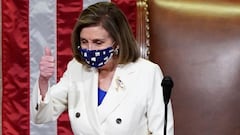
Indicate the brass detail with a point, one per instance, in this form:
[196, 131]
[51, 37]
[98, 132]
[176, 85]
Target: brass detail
[143, 33]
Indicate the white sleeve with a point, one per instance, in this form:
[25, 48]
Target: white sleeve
[36, 102]
[156, 107]
[55, 101]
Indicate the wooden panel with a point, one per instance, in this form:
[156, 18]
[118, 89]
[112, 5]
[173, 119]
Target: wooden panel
[198, 44]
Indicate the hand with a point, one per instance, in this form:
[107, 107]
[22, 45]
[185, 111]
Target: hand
[47, 68]
[47, 65]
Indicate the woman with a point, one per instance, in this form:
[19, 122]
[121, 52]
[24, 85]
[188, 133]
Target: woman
[107, 88]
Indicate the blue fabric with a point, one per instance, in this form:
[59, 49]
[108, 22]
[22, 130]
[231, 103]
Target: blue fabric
[96, 58]
[101, 95]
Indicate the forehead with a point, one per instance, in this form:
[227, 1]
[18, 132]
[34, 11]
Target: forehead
[94, 32]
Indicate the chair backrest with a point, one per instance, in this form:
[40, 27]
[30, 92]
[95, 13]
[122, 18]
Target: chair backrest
[197, 43]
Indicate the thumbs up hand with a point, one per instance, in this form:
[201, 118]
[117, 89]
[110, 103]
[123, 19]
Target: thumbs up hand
[47, 65]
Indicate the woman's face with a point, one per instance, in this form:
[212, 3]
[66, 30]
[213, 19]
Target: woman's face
[95, 38]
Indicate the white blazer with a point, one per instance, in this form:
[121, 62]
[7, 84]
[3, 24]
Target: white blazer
[133, 104]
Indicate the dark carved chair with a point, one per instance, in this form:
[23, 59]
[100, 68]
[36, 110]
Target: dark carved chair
[197, 43]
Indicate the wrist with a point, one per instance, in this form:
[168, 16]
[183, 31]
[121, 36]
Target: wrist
[43, 79]
[43, 86]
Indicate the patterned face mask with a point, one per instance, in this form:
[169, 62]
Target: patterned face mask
[97, 58]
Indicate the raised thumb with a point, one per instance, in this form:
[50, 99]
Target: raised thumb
[48, 52]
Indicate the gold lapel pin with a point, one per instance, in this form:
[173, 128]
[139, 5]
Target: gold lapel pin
[119, 83]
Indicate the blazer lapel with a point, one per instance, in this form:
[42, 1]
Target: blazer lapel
[116, 93]
[90, 93]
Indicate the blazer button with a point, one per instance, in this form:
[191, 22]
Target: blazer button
[118, 120]
[77, 114]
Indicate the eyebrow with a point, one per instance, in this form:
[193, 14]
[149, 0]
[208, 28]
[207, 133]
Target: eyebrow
[94, 40]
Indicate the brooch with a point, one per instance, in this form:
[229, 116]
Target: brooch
[119, 83]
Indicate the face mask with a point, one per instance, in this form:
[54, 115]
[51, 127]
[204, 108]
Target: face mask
[97, 58]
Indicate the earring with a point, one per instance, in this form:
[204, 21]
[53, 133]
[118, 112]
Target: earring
[116, 51]
[78, 47]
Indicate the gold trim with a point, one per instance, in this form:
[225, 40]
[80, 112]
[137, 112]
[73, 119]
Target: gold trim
[202, 8]
[143, 33]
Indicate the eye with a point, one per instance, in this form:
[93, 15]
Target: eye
[83, 41]
[98, 42]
